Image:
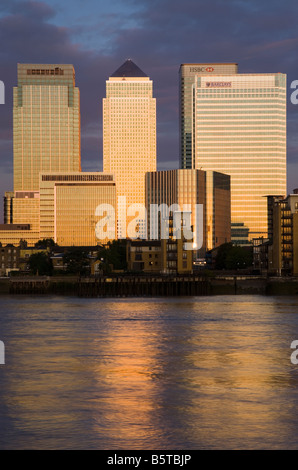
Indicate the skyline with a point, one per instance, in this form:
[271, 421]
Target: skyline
[259, 39]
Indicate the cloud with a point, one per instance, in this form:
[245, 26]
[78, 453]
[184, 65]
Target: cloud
[158, 35]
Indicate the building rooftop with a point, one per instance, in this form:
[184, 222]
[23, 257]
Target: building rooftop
[129, 69]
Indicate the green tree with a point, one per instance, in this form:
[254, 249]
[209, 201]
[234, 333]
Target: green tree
[41, 263]
[45, 243]
[113, 255]
[221, 257]
[233, 257]
[77, 261]
[239, 258]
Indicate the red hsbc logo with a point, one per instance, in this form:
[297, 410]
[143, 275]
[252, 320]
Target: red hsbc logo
[209, 69]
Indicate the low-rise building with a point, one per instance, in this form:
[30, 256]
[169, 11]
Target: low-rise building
[285, 236]
[9, 259]
[159, 256]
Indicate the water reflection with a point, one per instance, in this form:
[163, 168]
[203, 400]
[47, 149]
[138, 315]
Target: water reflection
[155, 374]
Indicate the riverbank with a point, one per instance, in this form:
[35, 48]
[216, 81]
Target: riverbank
[149, 286]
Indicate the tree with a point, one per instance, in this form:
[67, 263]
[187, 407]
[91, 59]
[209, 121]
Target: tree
[233, 257]
[77, 261]
[41, 263]
[45, 243]
[113, 254]
[239, 258]
[221, 257]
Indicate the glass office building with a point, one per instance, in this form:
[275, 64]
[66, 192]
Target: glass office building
[188, 188]
[188, 74]
[129, 135]
[239, 128]
[68, 206]
[46, 123]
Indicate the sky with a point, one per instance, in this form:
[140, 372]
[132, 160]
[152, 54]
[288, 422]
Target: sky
[97, 36]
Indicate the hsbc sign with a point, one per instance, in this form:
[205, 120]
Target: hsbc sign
[201, 69]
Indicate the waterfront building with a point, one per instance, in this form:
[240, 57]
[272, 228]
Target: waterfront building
[144, 256]
[236, 124]
[285, 236]
[9, 259]
[188, 189]
[129, 136]
[262, 255]
[159, 256]
[25, 253]
[68, 207]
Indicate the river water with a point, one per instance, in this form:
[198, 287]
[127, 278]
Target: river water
[188, 373]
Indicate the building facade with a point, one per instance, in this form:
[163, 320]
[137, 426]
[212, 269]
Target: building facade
[237, 126]
[7, 212]
[46, 123]
[68, 207]
[129, 136]
[16, 233]
[46, 137]
[9, 259]
[158, 256]
[211, 224]
[285, 236]
[188, 74]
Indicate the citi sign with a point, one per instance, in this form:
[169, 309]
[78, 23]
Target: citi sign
[201, 69]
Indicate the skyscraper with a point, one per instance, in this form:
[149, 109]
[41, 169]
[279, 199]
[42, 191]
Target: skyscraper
[129, 135]
[188, 74]
[46, 123]
[187, 189]
[238, 127]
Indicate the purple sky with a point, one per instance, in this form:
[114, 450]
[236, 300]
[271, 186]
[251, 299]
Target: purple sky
[158, 35]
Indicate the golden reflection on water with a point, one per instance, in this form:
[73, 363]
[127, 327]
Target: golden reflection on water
[157, 374]
[127, 373]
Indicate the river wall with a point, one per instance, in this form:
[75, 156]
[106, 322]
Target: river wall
[149, 286]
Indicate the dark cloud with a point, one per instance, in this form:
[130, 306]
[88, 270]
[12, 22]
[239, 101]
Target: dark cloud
[36, 11]
[158, 35]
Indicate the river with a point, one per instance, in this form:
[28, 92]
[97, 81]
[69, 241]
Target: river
[175, 373]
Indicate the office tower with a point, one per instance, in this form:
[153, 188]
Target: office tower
[68, 207]
[188, 75]
[218, 209]
[238, 127]
[188, 188]
[46, 123]
[129, 137]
